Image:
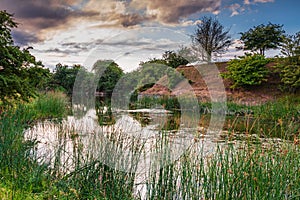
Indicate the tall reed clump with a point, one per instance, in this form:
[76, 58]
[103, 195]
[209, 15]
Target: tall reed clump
[21, 176]
[50, 105]
[279, 118]
[95, 173]
[247, 172]
[24, 174]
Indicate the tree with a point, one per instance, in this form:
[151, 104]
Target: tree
[16, 66]
[173, 59]
[262, 37]
[110, 74]
[169, 58]
[64, 78]
[289, 68]
[188, 54]
[6, 24]
[210, 37]
[291, 45]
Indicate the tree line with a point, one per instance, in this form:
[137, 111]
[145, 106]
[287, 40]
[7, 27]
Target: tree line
[22, 76]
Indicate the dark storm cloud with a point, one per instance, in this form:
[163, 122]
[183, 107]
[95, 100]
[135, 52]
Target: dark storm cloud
[24, 38]
[36, 15]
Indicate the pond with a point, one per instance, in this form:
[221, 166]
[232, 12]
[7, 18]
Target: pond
[136, 141]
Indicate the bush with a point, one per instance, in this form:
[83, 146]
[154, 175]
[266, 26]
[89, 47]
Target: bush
[248, 71]
[289, 72]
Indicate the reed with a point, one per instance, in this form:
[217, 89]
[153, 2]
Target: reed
[235, 169]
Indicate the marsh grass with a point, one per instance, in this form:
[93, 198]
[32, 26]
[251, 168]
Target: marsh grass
[20, 174]
[245, 170]
[50, 105]
[75, 172]
[280, 118]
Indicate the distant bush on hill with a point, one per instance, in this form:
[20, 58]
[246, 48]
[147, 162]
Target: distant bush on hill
[248, 71]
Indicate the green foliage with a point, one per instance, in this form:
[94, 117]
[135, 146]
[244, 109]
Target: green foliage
[50, 105]
[20, 74]
[291, 45]
[247, 71]
[21, 174]
[64, 78]
[290, 76]
[109, 77]
[278, 118]
[6, 24]
[265, 171]
[145, 76]
[210, 37]
[289, 67]
[263, 37]
[188, 54]
[169, 58]
[173, 59]
[243, 172]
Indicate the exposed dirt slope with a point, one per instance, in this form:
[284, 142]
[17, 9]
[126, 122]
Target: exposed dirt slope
[253, 95]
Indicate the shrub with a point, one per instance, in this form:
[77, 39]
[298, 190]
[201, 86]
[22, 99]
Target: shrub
[289, 72]
[248, 71]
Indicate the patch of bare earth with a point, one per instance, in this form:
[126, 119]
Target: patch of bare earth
[250, 96]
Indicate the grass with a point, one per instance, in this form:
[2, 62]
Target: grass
[241, 171]
[50, 105]
[280, 118]
[250, 172]
[20, 174]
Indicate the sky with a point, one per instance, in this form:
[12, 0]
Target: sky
[130, 31]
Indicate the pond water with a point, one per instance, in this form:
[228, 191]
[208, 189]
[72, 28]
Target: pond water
[111, 138]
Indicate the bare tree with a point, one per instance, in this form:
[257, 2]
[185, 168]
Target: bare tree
[210, 37]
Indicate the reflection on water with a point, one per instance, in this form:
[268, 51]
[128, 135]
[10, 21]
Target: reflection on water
[129, 140]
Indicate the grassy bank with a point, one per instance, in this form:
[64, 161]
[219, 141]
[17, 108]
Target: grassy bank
[278, 118]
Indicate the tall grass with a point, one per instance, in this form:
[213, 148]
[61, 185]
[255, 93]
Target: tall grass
[21, 175]
[280, 118]
[250, 172]
[50, 105]
[241, 171]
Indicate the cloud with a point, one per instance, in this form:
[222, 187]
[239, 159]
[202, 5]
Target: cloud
[135, 12]
[190, 22]
[23, 38]
[263, 1]
[43, 14]
[236, 9]
[248, 2]
[60, 51]
[35, 17]
[128, 20]
[41, 17]
[170, 12]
